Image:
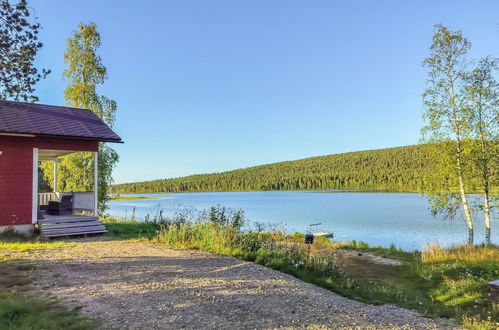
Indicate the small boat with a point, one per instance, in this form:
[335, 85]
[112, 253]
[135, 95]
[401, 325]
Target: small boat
[317, 230]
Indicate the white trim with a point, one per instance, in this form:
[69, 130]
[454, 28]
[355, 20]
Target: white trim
[34, 202]
[56, 163]
[96, 179]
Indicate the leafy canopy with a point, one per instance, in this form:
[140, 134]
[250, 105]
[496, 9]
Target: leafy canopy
[18, 48]
[84, 72]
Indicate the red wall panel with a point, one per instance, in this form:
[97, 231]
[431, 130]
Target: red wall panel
[16, 173]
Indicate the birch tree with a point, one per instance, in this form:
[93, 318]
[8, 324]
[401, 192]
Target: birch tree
[447, 119]
[482, 91]
[84, 72]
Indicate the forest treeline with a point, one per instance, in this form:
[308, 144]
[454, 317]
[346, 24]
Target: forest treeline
[391, 169]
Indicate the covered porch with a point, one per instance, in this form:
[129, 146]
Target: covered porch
[65, 213]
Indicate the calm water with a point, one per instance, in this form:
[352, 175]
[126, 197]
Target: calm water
[376, 218]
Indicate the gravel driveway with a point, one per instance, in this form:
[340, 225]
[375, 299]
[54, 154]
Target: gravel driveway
[140, 285]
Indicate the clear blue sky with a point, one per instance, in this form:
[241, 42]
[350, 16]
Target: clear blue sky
[205, 86]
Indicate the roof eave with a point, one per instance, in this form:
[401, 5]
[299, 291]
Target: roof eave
[87, 138]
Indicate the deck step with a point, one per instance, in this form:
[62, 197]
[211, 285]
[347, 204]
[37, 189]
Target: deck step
[49, 235]
[63, 230]
[68, 219]
[71, 226]
[70, 232]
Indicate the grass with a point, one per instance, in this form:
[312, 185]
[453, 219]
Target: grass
[439, 283]
[20, 312]
[28, 246]
[464, 253]
[130, 229]
[391, 252]
[12, 241]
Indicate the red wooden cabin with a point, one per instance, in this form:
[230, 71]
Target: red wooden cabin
[30, 133]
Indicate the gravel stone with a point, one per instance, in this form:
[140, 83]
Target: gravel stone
[141, 285]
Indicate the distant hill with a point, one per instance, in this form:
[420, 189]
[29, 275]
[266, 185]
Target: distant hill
[391, 169]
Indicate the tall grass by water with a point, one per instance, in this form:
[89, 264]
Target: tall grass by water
[464, 253]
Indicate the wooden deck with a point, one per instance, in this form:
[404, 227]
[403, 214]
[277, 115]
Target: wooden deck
[70, 225]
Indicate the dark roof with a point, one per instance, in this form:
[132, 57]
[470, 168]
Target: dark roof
[53, 121]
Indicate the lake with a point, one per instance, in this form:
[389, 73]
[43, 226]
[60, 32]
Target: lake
[402, 219]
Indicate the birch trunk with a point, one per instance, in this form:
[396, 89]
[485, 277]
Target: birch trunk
[464, 200]
[459, 168]
[486, 211]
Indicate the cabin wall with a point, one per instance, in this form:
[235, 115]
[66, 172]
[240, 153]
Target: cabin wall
[16, 173]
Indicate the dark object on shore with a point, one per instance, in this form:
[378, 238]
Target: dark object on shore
[494, 288]
[359, 253]
[309, 239]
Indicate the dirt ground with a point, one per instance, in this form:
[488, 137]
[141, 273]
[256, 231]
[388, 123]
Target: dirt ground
[140, 285]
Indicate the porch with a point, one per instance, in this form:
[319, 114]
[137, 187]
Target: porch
[65, 213]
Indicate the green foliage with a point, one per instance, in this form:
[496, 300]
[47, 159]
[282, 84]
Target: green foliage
[393, 169]
[18, 48]
[482, 92]
[130, 229]
[84, 73]
[447, 123]
[462, 123]
[226, 218]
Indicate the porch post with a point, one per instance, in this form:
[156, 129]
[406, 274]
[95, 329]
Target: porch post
[34, 202]
[56, 163]
[96, 185]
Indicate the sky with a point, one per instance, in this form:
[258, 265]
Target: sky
[207, 86]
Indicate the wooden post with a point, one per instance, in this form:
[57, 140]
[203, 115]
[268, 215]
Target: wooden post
[34, 204]
[56, 163]
[96, 181]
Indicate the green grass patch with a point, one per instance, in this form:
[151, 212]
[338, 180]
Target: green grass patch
[130, 229]
[12, 241]
[391, 252]
[28, 246]
[20, 312]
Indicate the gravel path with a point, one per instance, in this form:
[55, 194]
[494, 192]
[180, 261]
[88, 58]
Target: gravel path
[140, 285]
